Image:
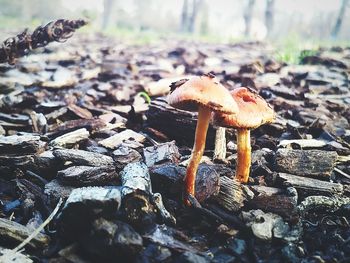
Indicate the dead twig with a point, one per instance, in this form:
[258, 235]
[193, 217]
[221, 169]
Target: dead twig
[56, 31]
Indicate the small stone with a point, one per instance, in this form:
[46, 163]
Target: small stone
[267, 226]
[263, 230]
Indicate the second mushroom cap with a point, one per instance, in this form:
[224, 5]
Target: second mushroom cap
[253, 111]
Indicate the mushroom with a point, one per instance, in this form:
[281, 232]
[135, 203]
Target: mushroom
[204, 94]
[253, 112]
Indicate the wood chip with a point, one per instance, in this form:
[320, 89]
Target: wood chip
[311, 186]
[14, 232]
[71, 138]
[314, 163]
[116, 140]
[81, 157]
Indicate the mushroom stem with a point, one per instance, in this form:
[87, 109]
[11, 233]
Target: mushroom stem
[220, 144]
[243, 155]
[197, 152]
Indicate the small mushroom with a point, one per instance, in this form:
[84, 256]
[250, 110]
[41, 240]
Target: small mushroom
[204, 94]
[253, 112]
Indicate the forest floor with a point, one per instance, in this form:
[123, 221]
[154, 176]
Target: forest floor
[87, 122]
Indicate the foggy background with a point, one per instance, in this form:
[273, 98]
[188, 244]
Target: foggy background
[219, 20]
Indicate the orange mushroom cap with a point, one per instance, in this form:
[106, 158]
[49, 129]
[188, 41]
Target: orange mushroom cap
[253, 111]
[203, 90]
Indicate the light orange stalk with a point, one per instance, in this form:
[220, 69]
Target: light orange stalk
[243, 155]
[197, 152]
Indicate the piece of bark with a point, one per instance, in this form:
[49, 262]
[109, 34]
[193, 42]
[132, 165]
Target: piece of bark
[136, 191]
[313, 163]
[31, 191]
[11, 231]
[166, 236]
[54, 115]
[88, 176]
[71, 253]
[2, 130]
[21, 144]
[284, 92]
[110, 240]
[14, 118]
[231, 195]
[39, 122]
[81, 157]
[302, 143]
[274, 200]
[157, 200]
[168, 180]
[229, 217]
[71, 138]
[323, 204]
[125, 155]
[135, 176]
[327, 61]
[161, 153]
[117, 139]
[7, 256]
[310, 186]
[220, 145]
[87, 203]
[54, 190]
[162, 86]
[46, 164]
[92, 125]
[79, 111]
[10, 125]
[15, 161]
[177, 124]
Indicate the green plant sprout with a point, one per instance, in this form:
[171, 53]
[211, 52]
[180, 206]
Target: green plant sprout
[145, 95]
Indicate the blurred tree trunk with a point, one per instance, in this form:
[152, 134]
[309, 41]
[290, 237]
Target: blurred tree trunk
[339, 22]
[184, 16]
[27, 13]
[196, 5]
[248, 14]
[269, 15]
[204, 19]
[107, 9]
